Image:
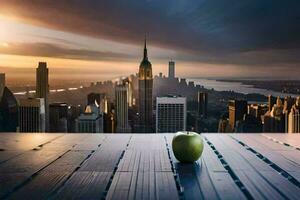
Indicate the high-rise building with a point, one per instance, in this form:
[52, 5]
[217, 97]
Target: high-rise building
[121, 105]
[271, 102]
[171, 69]
[294, 118]
[202, 100]
[73, 114]
[2, 83]
[133, 90]
[145, 94]
[128, 81]
[287, 106]
[95, 98]
[171, 114]
[42, 88]
[8, 108]
[91, 121]
[110, 120]
[257, 110]
[288, 103]
[237, 110]
[274, 121]
[32, 115]
[224, 126]
[250, 124]
[58, 117]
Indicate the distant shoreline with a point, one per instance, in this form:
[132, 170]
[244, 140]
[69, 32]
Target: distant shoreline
[283, 86]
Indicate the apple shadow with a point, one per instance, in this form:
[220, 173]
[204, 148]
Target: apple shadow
[188, 175]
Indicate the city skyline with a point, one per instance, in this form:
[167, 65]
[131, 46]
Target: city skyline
[149, 99]
[202, 45]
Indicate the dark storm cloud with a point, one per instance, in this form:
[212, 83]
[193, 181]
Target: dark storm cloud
[51, 50]
[219, 31]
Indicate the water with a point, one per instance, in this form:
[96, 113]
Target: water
[51, 91]
[210, 84]
[236, 87]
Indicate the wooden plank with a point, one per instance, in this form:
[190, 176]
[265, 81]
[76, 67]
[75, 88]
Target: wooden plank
[31, 162]
[15, 144]
[23, 167]
[206, 178]
[85, 185]
[146, 154]
[258, 177]
[7, 155]
[24, 141]
[67, 141]
[91, 143]
[108, 155]
[285, 157]
[98, 169]
[146, 185]
[51, 178]
[290, 139]
[145, 171]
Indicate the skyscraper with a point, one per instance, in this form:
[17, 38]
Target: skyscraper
[91, 121]
[274, 121]
[32, 115]
[93, 98]
[58, 118]
[202, 100]
[171, 69]
[224, 126]
[2, 83]
[294, 118]
[287, 106]
[129, 83]
[8, 108]
[271, 102]
[170, 114]
[42, 88]
[121, 97]
[257, 110]
[237, 110]
[145, 94]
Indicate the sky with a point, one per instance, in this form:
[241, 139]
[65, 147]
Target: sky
[98, 39]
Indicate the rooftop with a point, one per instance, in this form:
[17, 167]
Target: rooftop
[142, 166]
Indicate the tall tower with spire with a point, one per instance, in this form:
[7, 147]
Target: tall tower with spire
[145, 94]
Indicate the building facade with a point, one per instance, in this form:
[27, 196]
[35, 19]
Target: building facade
[145, 95]
[91, 121]
[202, 101]
[170, 114]
[237, 110]
[121, 98]
[257, 110]
[42, 88]
[32, 115]
[2, 83]
[274, 121]
[294, 118]
[271, 102]
[58, 118]
[95, 98]
[171, 69]
[8, 108]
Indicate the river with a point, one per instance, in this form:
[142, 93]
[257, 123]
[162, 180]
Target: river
[236, 87]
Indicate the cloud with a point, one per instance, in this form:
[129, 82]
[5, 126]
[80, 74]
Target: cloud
[52, 50]
[229, 31]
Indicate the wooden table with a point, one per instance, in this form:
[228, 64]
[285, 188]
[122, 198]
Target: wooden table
[142, 166]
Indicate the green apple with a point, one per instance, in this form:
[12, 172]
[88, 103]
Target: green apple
[187, 146]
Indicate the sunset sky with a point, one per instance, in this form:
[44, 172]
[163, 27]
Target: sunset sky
[97, 39]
